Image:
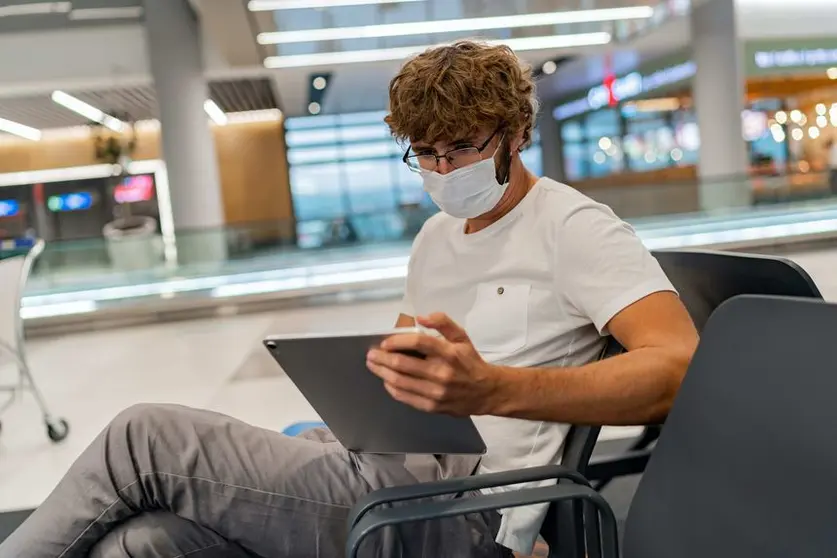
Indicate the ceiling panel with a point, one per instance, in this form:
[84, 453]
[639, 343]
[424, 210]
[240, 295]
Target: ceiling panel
[134, 103]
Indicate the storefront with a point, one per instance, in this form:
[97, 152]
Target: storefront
[645, 121]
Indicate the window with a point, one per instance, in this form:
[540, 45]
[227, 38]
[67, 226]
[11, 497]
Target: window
[346, 175]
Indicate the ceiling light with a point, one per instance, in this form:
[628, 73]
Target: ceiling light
[814, 132]
[215, 113]
[319, 83]
[832, 73]
[797, 134]
[821, 108]
[378, 55]
[20, 130]
[36, 8]
[127, 12]
[549, 67]
[454, 25]
[781, 117]
[314, 108]
[88, 111]
[270, 5]
[796, 116]
[822, 121]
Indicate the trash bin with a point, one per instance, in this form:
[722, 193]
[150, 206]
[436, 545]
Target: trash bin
[133, 243]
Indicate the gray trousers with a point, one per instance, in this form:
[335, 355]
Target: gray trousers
[166, 481]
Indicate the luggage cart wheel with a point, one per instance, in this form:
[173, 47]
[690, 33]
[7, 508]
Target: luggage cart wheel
[57, 430]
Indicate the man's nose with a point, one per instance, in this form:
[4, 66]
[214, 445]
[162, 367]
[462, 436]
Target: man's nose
[444, 166]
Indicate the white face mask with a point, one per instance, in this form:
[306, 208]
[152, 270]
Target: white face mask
[467, 192]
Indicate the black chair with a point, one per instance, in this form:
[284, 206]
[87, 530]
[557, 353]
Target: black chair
[705, 280]
[739, 468]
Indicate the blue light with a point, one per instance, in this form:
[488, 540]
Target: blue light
[76, 201]
[9, 208]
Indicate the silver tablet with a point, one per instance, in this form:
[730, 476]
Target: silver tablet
[330, 371]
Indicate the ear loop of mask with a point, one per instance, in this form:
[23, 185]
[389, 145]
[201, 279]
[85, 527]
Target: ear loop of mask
[507, 156]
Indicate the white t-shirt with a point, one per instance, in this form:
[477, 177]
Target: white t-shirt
[536, 288]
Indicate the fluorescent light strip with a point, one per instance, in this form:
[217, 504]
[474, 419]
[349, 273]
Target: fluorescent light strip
[378, 55]
[275, 5]
[454, 25]
[215, 113]
[36, 8]
[20, 130]
[88, 111]
[128, 12]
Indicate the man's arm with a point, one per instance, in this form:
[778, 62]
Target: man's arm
[637, 387]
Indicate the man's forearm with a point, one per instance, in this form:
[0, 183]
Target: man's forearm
[634, 388]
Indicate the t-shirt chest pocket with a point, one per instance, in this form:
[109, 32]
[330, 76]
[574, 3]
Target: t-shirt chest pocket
[498, 322]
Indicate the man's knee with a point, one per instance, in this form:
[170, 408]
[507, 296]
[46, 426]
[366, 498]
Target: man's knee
[145, 416]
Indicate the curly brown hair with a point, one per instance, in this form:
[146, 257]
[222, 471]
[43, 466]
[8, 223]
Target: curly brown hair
[455, 91]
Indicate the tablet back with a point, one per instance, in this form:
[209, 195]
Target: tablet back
[331, 373]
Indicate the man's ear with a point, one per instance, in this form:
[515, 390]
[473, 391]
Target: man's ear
[516, 142]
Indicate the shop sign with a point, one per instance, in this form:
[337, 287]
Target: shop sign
[626, 87]
[793, 58]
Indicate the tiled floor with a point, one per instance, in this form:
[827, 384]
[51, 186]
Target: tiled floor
[217, 364]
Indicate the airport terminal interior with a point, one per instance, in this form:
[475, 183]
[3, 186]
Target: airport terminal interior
[181, 179]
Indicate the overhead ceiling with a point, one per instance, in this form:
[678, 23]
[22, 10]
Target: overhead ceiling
[119, 78]
[357, 87]
[43, 15]
[134, 103]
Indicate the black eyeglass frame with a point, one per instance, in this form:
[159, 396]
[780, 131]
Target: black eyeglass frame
[444, 155]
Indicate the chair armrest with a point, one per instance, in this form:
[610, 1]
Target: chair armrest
[458, 485]
[376, 519]
[629, 463]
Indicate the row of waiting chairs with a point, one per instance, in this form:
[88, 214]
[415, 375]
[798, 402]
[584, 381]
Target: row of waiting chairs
[708, 488]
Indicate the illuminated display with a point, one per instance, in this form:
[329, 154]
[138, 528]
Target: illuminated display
[626, 87]
[9, 208]
[134, 189]
[76, 201]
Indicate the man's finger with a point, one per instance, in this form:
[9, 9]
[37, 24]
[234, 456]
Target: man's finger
[442, 323]
[422, 343]
[411, 399]
[406, 383]
[402, 363]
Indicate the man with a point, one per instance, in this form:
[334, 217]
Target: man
[521, 277]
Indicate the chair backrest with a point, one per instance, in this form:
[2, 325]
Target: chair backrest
[563, 527]
[748, 447]
[13, 274]
[706, 279]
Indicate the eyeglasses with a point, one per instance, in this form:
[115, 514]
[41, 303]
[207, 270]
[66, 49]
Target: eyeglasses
[458, 158]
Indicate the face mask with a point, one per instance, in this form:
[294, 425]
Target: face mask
[467, 192]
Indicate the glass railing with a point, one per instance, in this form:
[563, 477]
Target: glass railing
[283, 257]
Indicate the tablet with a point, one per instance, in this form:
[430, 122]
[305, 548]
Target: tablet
[330, 371]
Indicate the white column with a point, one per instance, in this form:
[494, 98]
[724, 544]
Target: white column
[718, 90]
[174, 48]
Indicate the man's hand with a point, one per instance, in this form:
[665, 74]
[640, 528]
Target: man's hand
[452, 379]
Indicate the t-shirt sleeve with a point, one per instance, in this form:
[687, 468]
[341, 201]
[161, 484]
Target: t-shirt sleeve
[408, 301]
[602, 265]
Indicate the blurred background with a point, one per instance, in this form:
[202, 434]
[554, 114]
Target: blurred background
[218, 148]
[209, 158]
